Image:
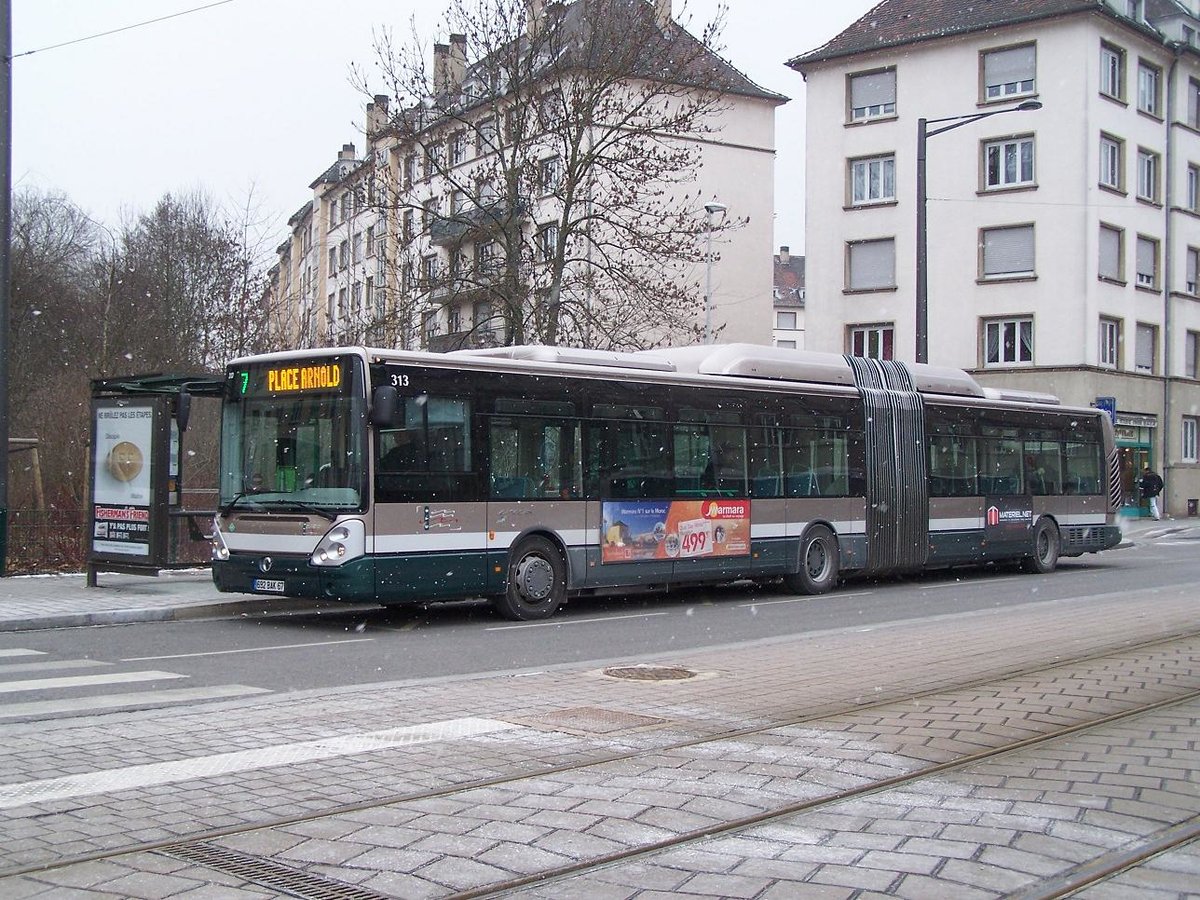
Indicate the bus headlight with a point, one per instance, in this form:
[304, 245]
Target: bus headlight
[220, 552]
[343, 542]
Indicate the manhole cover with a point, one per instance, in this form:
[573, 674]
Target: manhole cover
[650, 673]
[594, 720]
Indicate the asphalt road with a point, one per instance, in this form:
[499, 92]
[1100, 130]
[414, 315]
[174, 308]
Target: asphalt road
[80, 670]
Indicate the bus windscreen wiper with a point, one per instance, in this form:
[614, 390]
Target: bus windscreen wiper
[301, 506]
[228, 507]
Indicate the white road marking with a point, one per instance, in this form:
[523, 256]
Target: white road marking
[118, 701]
[970, 582]
[573, 621]
[151, 774]
[244, 650]
[52, 664]
[803, 598]
[46, 684]
[20, 652]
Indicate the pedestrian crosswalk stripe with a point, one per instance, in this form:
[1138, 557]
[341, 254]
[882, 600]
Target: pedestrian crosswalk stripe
[52, 664]
[152, 774]
[138, 699]
[46, 684]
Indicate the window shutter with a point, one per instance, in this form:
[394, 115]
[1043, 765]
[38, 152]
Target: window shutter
[872, 265]
[1110, 253]
[873, 90]
[1145, 258]
[1005, 66]
[1008, 251]
[1145, 348]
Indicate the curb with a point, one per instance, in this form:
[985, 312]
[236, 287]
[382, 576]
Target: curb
[256, 607]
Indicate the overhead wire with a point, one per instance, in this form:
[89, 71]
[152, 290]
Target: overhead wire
[92, 37]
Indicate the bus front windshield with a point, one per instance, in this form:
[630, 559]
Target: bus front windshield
[293, 437]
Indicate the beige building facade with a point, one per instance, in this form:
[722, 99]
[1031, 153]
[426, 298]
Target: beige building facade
[1063, 241]
[381, 252]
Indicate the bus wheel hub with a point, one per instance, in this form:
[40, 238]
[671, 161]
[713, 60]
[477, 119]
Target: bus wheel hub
[535, 578]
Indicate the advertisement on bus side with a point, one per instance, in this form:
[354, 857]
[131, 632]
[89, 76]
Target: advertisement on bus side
[637, 530]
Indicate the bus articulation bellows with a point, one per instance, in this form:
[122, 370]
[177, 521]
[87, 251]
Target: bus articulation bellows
[529, 474]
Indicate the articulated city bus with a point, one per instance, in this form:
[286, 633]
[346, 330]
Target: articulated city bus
[531, 474]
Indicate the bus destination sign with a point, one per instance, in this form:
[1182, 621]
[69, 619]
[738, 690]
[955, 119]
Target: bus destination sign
[318, 376]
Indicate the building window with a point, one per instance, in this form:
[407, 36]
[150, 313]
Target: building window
[488, 258]
[1112, 155]
[1145, 348]
[1193, 188]
[1112, 71]
[1193, 263]
[1008, 163]
[1112, 253]
[786, 345]
[356, 248]
[871, 265]
[430, 326]
[549, 175]
[1193, 103]
[1110, 343]
[1006, 252]
[1147, 262]
[547, 242]
[1008, 342]
[1191, 355]
[454, 320]
[332, 260]
[346, 206]
[872, 95]
[1187, 435]
[410, 169]
[371, 240]
[343, 254]
[458, 148]
[873, 180]
[1148, 169]
[785, 320]
[429, 269]
[1149, 99]
[873, 341]
[485, 137]
[1009, 72]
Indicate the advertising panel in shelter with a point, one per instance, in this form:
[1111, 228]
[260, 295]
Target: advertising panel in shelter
[121, 487]
[638, 530]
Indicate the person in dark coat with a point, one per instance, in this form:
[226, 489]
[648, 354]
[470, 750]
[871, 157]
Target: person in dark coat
[1151, 486]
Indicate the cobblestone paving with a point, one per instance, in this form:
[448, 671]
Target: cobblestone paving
[954, 831]
[438, 845]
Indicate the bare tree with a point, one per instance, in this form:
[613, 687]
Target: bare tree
[547, 184]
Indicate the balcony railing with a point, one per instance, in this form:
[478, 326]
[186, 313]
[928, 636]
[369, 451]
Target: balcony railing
[479, 220]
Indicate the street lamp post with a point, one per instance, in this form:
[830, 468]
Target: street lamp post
[710, 210]
[923, 134]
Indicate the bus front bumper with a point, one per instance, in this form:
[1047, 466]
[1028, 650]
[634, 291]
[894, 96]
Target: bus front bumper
[295, 576]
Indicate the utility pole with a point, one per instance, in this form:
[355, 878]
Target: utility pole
[5, 259]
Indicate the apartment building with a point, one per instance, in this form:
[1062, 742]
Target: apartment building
[1062, 212]
[788, 299]
[417, 242]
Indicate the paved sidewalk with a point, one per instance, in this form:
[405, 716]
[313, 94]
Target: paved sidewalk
[65, 601]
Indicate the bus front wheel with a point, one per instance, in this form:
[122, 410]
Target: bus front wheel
[1046, 546]
[537, 581]
[818, 570]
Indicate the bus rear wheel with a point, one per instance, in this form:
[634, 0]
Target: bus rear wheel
[818, 570]
[1046, 546]
[537, 581]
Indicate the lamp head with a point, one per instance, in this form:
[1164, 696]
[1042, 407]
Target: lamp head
[1029, 105]
[713, 208]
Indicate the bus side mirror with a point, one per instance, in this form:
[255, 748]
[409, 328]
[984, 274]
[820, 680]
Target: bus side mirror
[183, 409]
[385, 406]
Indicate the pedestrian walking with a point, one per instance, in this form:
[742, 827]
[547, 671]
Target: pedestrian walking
[1151, 486]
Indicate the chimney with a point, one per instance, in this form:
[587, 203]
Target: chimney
[457, 62]
[441, 69]
[347, 152]
[785, 256]
[535, 17]
[662, 14]
[377, 117]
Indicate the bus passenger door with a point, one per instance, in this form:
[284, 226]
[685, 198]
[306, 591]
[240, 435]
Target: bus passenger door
[535, 485]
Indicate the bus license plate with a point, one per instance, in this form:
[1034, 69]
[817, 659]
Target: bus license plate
[273, 587]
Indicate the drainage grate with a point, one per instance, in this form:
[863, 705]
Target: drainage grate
[650, 673]
[594, 720]
[255, 869]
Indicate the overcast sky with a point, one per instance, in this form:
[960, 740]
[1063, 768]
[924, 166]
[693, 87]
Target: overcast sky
[254, 95]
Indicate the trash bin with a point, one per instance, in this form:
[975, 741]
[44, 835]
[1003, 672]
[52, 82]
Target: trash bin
[1193, 505]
